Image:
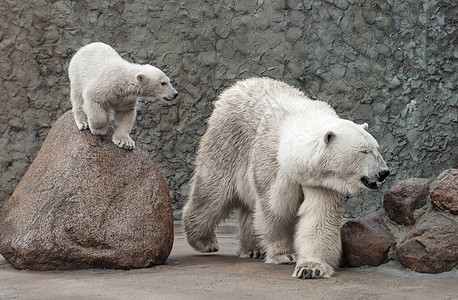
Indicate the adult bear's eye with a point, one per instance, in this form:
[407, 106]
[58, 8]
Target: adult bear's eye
[163, 83]
[365, 151]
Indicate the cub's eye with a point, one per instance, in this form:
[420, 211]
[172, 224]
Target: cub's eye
[365, 151]
[163, 83]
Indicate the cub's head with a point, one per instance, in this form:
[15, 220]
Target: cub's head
[340, 155]
[155, 84]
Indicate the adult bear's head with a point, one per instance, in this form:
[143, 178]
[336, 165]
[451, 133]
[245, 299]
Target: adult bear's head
[332, 153]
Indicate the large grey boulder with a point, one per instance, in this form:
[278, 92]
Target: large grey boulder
[86, 203]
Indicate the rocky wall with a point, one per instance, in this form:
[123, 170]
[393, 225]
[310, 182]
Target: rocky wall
[385, 62]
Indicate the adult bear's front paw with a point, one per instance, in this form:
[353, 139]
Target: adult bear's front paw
[312, 270]
[124, 142]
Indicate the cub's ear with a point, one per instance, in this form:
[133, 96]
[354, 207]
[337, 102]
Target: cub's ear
[140, 77]
[364, 126]
[329, 136]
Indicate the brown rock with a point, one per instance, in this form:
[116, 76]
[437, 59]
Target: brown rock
[366, 240]
[431, 246]
[404, 197]
[86, 203]
[444, 191]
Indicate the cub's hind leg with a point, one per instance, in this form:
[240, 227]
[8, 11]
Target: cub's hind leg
[97, 116]
[77, 107]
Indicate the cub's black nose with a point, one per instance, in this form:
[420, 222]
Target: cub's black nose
[383, 174]
[175, 95]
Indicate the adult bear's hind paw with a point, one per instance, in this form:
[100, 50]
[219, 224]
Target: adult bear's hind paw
[255, 253]
[283, 258]
[205, 246]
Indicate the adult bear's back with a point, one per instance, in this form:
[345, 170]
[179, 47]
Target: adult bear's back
[237, 118]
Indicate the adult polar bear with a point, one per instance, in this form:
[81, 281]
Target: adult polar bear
[285, 163]
[100, 81]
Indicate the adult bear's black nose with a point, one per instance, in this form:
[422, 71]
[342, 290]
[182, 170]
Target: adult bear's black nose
[175, 95]
[383, 174]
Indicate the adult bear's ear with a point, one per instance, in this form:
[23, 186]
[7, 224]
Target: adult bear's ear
[364, 126]
[329, 136]
[140, 77]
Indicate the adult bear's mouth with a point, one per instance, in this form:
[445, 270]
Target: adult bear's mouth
[372, 185]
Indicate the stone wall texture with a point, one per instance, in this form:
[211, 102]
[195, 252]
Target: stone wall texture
[385, 62]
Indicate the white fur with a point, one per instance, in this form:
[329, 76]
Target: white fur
[101, 81]
[285, 163]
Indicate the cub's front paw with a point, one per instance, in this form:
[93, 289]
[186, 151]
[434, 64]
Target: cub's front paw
[312, 270]
[281, 259]
[124, 142]
[82, 125]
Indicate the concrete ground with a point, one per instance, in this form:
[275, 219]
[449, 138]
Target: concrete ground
[190, 275]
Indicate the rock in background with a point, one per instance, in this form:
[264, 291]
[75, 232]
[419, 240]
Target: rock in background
[387, 63]
[86, 203]
[431, 246]
[404, 197]
[444, 191]
[422, 225]
[366, 240]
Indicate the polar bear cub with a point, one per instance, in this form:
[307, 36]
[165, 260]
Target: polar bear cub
[285, 163]
[100, 81]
